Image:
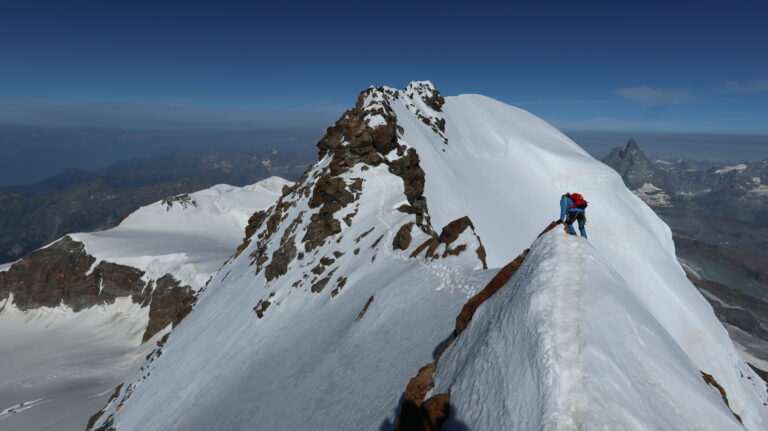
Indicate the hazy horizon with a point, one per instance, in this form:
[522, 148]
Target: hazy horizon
[31, 154]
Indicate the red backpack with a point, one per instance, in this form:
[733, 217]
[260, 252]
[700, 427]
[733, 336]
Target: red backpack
[578, 200]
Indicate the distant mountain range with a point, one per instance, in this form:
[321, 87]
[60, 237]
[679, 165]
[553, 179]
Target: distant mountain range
[719, 219]
[738, 192]
[35, 214]
[235, 168]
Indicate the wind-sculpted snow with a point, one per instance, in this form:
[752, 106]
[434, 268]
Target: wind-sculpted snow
[566, 345]
[345, 288]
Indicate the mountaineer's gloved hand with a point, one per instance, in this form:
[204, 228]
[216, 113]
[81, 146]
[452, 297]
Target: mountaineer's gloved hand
[559, 222]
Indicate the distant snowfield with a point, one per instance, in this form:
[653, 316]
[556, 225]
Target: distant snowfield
[58, 367]
[725, 170]
[189, 240]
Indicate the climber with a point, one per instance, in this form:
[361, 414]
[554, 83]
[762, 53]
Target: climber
[573, 207]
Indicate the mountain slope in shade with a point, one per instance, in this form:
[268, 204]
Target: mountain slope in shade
[353, 281]
[77, 315]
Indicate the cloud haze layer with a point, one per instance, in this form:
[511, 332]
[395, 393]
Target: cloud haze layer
[716, 147]
[150, 116]
[30, 154]
[736, 87]
[654, 96]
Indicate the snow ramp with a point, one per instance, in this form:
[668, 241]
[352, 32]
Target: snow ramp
[566, 345]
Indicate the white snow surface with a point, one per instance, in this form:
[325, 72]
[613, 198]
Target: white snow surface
[726, 169]
[60, 366]
[653, 196]
[615, 339]
[545, 335]
[189, 241]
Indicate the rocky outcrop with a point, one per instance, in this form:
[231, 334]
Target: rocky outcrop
[364, 137]
[254, 223]
[63, 274]
[710, 380]
[427, 94]
[184, 200]
[364, 310]
[417, 414]
[402, 238]
[449, 234]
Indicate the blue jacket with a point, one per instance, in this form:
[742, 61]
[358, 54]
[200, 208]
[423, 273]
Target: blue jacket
[565, 203]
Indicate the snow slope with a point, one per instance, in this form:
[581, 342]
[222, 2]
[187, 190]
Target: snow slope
[511, 159]
[59, 366]
[284, 372]
[311, 364]
[559, 305]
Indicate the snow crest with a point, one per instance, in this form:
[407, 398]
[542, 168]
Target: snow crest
[567, 346]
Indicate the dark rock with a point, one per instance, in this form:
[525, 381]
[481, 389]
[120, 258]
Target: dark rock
[340, 283]
[281, 258]
[58, 275]
[183, 200]
[402, 239]
[170, 304]
[436, 410]
[364, 310]
[319, 285]
[448, 235]
[261, 307]
[254, 223]
[712, 382]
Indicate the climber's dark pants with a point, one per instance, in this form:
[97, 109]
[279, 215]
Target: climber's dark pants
[574, 216]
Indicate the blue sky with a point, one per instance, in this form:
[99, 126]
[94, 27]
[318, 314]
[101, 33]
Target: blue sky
[582, 65]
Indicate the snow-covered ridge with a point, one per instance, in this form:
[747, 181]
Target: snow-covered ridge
[345, 283]
[188, 238]
[595, 343]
